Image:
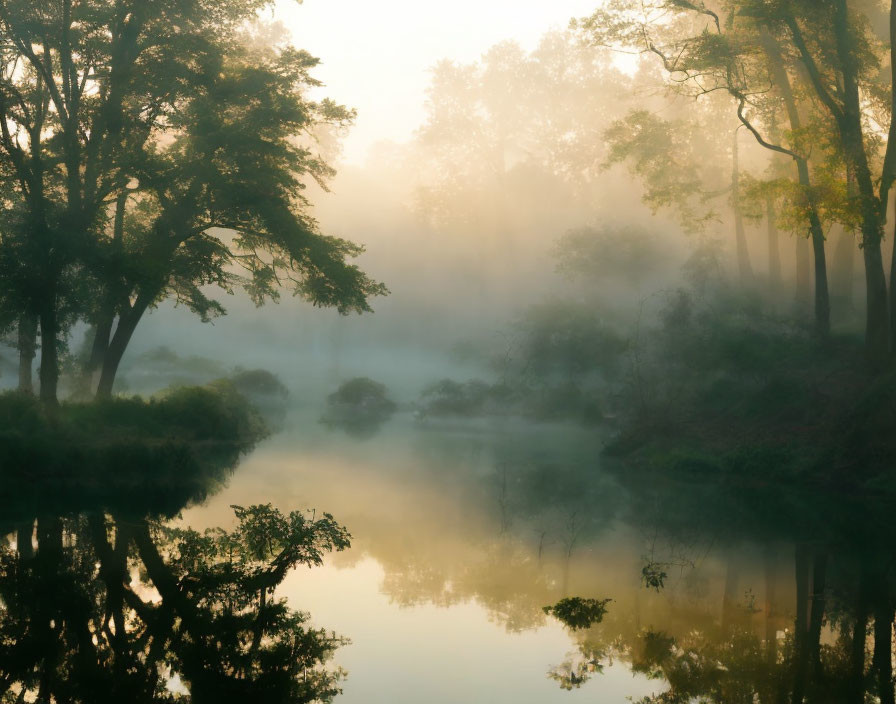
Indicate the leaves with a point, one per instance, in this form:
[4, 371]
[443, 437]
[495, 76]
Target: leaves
[578, 613]
[204, 140]
[664, 156]
[167, 601]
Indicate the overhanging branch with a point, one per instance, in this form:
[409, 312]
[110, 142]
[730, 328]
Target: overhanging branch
[741, 103]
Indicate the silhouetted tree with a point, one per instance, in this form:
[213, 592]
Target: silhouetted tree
[151, 149]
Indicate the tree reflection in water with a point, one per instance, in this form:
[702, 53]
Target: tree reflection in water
[725, 586]
[822, 631]
[108, 605]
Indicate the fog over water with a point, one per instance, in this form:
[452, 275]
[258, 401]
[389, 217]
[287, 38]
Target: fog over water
[482, 352]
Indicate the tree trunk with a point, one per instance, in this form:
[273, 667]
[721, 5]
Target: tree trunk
[24, 536]
[27, 350]
[113, 295]
[744, 267]
[877, 319]
[800, 628]
[49, 539]
[856, 691]
[822, 296]
[816, 614]
[729, 597]
[849, 124]
[893, 299]
[113, 570]
[101, 336]
[877, 332]
[843, 269]
[883, 646]
[774, 252]
[816, 233]
[803, 276]
[127, 323]
[771, 630]
[49, 352]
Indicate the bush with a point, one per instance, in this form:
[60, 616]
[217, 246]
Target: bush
[152, 456]
[566, 340]
[359, 406]
[258, 383]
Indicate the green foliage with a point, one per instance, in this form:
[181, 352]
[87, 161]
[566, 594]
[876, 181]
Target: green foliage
[559, 363]
[163, 602]
[259, 385]
[257, 555]
[215, 413]
[663, 156]
[165, 367]
[703, 270]
[610, 253]
[761, 423]
[655, 648]
[169, 152]
[568, 340]
[237, 136]
[361, 391]
[577, 613]
[653, 575]
[166, 451]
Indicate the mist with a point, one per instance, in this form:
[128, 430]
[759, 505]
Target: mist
[485, 353]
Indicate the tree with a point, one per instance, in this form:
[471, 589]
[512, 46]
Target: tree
[711, 48]
[670, 157]
[844, 40]
[133, 133]
[16, 309]
[837, 53]
[226, 195]
[77, 625]
[510, 121]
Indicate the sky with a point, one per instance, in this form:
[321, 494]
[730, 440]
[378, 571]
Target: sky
[376, 54]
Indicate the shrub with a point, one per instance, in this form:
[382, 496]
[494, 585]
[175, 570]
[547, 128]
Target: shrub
[360, 406]
[135, 455]
[255, 383]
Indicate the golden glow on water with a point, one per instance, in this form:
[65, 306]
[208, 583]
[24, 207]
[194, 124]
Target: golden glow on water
[441, 593]
[456, 654]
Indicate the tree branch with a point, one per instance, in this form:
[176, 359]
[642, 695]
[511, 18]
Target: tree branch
[812, 68]
[742, 101]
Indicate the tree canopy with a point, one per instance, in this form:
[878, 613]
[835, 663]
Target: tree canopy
[151, 150]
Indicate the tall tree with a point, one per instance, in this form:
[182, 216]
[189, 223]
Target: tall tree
[672, 159]
[110, 105]
[836, 49]
[706, 49]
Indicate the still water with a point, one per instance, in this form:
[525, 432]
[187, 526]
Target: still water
[443, 588]
[462, 532]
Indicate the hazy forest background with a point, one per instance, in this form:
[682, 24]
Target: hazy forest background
[650, 251]
[646, 150]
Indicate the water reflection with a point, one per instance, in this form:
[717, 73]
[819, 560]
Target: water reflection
[722, 589]
[104, 600]
[753, 593]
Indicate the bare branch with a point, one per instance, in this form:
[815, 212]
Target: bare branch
[768, 145]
